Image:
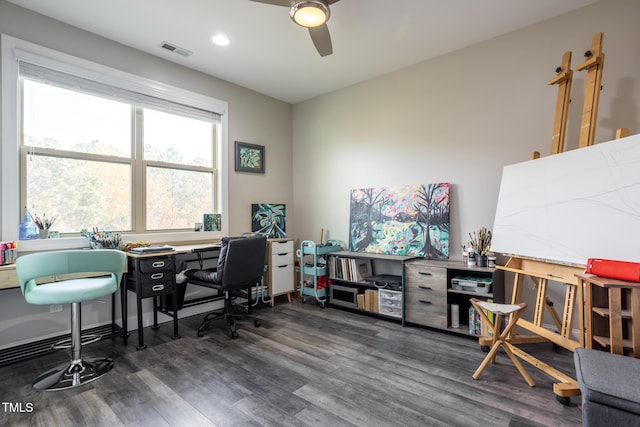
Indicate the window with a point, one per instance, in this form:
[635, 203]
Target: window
[76, 158]
[100, 148]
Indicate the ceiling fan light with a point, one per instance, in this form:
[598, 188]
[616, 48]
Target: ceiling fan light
[220, 40]
[309, 14]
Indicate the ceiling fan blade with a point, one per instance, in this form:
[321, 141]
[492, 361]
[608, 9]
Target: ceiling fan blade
[285, 3]
[321, 39]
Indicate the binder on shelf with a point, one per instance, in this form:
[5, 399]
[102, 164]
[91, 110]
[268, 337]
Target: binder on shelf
[362, 269]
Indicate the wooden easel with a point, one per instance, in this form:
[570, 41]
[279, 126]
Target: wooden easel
[594, 64]
[563, 78]
[540, 272]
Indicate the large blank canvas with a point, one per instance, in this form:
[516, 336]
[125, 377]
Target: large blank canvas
[572, 206]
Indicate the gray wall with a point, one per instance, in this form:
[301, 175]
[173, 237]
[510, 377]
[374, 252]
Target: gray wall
[460, 118]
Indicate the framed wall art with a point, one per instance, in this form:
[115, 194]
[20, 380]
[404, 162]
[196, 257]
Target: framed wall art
[406, 220]
[249, 157]
[270, 219]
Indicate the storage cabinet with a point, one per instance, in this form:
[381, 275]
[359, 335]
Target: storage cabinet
[432, 287]
[390, 303]
[426, 294]
[370, 283]
[150, 276]
[280, 277]
[612, 310]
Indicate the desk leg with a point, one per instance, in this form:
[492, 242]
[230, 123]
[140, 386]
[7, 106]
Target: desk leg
[155, 313]
[140, 331]
[176, 335]
[123, 303]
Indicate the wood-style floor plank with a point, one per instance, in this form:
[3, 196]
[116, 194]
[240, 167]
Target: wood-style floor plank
[305, 366]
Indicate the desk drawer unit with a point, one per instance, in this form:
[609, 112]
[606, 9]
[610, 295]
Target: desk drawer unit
[151, 276]
[281, 268]
[426, 295]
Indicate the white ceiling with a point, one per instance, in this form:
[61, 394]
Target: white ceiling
[272, 55]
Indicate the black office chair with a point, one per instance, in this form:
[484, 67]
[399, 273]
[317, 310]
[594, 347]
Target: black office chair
[240, 267]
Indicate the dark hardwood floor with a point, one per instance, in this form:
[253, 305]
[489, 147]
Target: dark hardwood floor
[305, 366]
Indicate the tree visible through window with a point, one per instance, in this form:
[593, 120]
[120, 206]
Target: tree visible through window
[92, 161]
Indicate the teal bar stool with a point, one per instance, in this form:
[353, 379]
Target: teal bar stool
[61, 278]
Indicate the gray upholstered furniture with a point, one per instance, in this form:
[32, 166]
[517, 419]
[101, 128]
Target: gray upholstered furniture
[610, 387]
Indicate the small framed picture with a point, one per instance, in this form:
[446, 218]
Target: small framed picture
[249, 157]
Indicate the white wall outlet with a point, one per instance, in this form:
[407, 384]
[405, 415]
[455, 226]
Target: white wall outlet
[55, 308]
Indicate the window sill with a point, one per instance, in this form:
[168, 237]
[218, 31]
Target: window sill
[38, 245]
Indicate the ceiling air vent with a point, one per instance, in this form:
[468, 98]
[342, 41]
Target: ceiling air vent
[175, 49]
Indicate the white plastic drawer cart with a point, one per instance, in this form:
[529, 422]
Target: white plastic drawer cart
[313, 266]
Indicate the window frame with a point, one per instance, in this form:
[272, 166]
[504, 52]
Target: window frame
[14, 49]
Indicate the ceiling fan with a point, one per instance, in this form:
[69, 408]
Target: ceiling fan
[311, 14]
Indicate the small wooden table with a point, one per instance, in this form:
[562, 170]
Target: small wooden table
[612, 309]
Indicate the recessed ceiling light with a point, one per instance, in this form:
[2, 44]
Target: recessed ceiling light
[220, 40]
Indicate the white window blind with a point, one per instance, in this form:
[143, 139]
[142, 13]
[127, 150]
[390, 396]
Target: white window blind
[81, 84]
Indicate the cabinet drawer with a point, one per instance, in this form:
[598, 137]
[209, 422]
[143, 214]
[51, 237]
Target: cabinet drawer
[157, 288]
[425, 277]
[156, 276]
[151, 288]
[280, 259]
[152, 265]
[281, 279]
[427, 309]
[282, 247]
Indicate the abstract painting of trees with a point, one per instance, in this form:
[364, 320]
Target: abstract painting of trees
[408, 220]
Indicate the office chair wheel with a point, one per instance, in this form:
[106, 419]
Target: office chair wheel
[485, 348]
[256, 323]
[564, 400]
[303, 300]
[234, 335]
[322, 305]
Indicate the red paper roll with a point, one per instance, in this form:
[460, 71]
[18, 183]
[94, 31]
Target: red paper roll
[622, 270]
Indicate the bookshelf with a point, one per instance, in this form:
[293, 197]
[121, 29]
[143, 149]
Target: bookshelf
[367, 283]
[611, 310]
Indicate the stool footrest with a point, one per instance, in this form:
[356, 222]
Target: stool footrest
[85, 339]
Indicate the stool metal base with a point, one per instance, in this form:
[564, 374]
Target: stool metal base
[73, 374]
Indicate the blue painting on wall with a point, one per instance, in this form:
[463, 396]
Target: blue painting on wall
[410, 220]
[269, 219]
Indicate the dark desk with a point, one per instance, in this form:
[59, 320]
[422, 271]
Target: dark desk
[153, 275]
